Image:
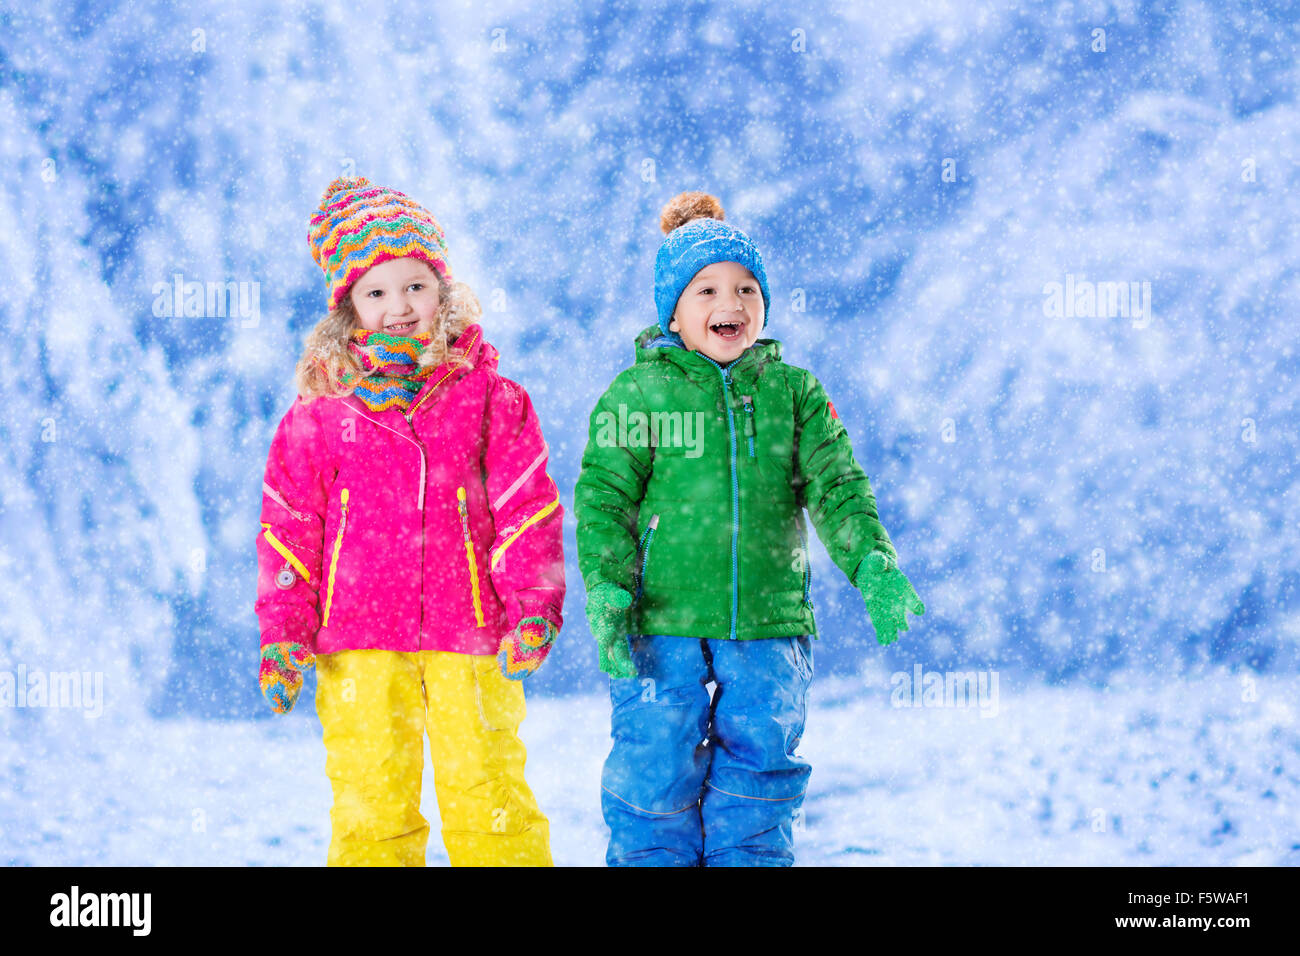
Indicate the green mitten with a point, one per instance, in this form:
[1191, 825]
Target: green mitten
[888, 595]
[607, 605]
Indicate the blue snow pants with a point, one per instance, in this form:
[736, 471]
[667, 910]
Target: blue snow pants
[694, 781]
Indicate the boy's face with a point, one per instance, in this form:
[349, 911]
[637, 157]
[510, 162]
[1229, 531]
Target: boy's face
[720, 313]
[399, 297]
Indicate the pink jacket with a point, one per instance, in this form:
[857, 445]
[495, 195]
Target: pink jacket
[435, 532]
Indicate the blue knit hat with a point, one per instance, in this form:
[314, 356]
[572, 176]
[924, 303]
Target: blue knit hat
[697, 237]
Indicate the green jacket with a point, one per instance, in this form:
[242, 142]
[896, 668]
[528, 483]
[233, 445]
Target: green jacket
[693, 485]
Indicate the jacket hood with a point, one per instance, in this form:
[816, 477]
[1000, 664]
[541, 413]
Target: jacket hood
[478, 350]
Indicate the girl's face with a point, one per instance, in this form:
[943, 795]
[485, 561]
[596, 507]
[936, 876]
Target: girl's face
[399, 297]
[721, 312]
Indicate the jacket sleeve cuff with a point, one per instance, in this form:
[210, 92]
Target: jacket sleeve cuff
[615, 572]
[853, 578]
[537, 605]
[857, 569]
[293, 633]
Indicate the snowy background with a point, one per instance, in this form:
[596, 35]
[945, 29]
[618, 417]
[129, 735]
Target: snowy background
[1098, 509]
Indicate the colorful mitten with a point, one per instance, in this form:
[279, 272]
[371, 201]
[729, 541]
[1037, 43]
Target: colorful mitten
[888, 594]
[607, 605]
[523, 649]
[281, 673]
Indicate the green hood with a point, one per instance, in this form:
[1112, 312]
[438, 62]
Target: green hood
[763, 350]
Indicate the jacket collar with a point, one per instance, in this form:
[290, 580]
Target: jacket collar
[654, 345]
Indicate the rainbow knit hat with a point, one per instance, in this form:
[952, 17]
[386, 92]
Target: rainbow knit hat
[360, 225]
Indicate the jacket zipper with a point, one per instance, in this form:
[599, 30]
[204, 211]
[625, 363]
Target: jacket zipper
[735, 492]
[419, 495]
[644, 548]
[469, 554]
[334, 559]
[409, 415]
[749, 421]
[469, 347]
[807, 566]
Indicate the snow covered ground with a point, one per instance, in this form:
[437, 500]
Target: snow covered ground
[1203, 772]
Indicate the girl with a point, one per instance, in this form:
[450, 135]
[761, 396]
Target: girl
[695, 559]
[411, 547]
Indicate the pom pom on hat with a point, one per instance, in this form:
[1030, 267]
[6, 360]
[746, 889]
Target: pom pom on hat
[684, 207]
[360, 225]
[344, 182]
[698, 237]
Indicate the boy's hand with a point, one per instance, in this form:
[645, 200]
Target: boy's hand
[888, 595]
[607, 605]
[280, 675]
[523, 649]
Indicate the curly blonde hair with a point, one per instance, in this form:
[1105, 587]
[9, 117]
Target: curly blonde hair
[326, 356]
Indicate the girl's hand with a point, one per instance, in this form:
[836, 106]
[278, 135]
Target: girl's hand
[280, 675]
[523, 649]
[888, 595]
[607, 605]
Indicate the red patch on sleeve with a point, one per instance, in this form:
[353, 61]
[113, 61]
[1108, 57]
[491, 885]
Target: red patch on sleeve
[831, 406]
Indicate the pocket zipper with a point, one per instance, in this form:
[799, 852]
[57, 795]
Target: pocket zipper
[290, 561]
[807, 566]
[469, 554]
[644, 548]
[334, 559]
[749, 421]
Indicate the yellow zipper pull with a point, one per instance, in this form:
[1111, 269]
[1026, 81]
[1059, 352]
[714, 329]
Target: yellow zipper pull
[469, 555]
[334, 561]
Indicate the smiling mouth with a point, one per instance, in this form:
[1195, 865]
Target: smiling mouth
[400, 327]
[728, 331]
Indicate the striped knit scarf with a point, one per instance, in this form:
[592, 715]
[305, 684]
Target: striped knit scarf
[391, 377]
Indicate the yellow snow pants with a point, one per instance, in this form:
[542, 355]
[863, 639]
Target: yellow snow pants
[374, 708]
